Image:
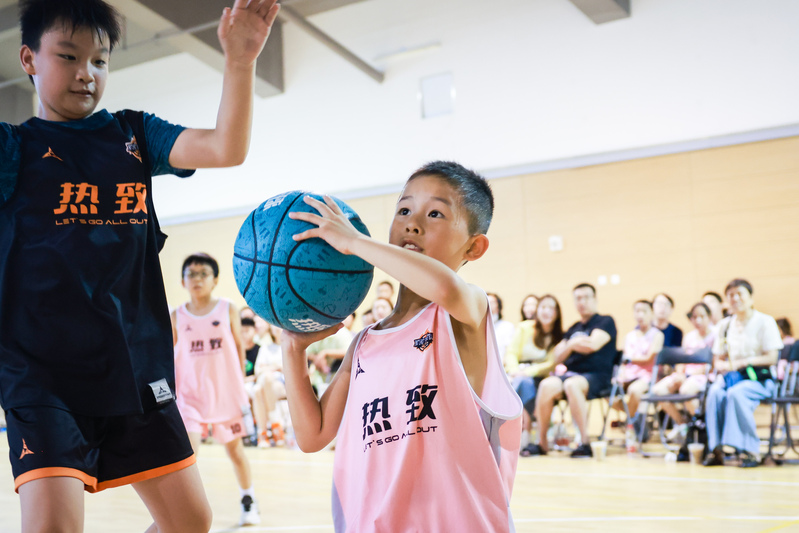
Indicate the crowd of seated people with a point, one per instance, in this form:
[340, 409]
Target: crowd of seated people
[546, 365]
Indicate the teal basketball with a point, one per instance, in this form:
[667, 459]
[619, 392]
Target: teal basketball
[301, 286]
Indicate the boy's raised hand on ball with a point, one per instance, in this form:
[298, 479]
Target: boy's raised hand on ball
[332, 225]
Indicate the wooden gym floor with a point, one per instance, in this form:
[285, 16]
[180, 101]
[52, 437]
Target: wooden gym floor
[552, 493]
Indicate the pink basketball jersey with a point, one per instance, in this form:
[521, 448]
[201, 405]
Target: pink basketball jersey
[417, 449]
[209, 380]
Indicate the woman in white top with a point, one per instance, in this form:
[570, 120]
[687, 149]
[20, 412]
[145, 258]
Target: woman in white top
[748, 343]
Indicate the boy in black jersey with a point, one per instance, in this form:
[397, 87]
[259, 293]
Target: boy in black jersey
[90, 405]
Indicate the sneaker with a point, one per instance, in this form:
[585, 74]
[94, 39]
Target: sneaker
[679, 430]
[531, 450]
[249, 512]
[583, 451]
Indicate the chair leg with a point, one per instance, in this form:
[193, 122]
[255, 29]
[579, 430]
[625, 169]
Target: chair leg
[772, 432]
[789, 444]
[611, 401]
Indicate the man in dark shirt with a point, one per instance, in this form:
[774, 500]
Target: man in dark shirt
[663, 305]
[588, 351]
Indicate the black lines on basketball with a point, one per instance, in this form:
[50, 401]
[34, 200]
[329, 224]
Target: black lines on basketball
[275, 235]
[253, 260]
[308, 269]
[297, 294]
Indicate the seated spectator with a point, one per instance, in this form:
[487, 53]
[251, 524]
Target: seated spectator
[261, 326]
[386, 290]
[785, 331]
[269, 389]
[381, 308]
[747, 344]
[688, 379]
[530, 356]
[326, 354]
[529, 305]
[502, 328]
[663, 305]
[787, 341]
[641, 346]
[250, 350]
[588, 350]
[714, 302]
[367, 319]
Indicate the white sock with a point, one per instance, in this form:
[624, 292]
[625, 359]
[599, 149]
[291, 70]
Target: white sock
[247, 492]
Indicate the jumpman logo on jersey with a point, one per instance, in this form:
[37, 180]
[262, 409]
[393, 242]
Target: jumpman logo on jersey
[25, 450]
[359, 370]
[50, 153]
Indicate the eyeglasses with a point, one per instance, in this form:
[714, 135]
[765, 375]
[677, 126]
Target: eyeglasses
[194, 275]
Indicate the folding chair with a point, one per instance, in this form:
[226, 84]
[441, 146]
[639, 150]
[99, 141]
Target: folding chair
[670, 357]
[611, 393]
[785, 396]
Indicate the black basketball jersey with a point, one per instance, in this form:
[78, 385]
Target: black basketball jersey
[84, 322]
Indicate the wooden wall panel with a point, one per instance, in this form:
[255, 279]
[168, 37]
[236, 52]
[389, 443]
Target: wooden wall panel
[681, 223]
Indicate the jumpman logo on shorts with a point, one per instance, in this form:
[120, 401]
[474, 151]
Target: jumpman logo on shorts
[50, 153]
[25, 450]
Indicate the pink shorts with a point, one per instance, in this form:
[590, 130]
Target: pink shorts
[223, 432]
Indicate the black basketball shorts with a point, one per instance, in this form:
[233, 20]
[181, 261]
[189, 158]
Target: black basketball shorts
[103, 452]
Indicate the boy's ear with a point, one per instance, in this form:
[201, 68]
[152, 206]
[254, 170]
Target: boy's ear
[478, 247]
[26, 60]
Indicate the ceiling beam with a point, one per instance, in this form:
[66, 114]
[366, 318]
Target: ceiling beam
[601, 11]
[289, 15]
[191, 17]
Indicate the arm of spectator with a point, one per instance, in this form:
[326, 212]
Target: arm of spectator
[562, 351]
[542, 369]
[766, 359]
[657, 345]
[590, 344]
[513, 353]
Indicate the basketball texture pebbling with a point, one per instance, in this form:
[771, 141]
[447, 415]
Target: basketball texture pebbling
[301, 286]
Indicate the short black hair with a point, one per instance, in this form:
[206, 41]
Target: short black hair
[200, 258]
[247, 321]
[646, 302]
[739, 282]
[665, 296]
[475, 192]
[36, 17]
[703, 305]
[715, 295]
[583, 286]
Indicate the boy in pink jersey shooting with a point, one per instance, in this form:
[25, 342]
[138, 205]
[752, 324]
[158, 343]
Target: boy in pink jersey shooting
[427, 425]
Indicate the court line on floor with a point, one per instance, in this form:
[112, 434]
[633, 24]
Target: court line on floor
[654, 518]
[660, 478]
[569, 519]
